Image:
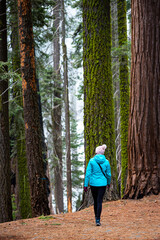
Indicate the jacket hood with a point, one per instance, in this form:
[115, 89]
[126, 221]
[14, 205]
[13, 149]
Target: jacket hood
[99, 158]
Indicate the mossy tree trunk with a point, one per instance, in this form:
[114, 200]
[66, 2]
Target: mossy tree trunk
[98, 92]
[5, 170]
[38, 187]
[144, 128]
[24, 202]
[124, 90]
[116, 86]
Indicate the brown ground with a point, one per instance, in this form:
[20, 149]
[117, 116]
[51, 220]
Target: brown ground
[122, 219]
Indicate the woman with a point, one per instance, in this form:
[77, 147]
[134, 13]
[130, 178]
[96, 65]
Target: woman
[98, 175]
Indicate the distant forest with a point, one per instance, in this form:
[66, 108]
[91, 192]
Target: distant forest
[76, 74]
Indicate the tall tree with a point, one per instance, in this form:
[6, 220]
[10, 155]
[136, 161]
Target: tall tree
[22, 183]
[57, 112]
[124, 90]
[67, 114]
[38, 188]
[116, 87]
[144, 128]
[98, 93]
[5, 170]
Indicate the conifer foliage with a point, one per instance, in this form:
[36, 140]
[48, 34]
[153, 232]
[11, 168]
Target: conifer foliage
[57, 71]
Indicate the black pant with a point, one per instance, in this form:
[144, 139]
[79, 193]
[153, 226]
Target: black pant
[98, 193]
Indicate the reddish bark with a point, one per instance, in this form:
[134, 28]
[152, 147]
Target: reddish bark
[39, 201]
[144, 122]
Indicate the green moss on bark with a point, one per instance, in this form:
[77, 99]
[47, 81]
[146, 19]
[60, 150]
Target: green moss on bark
[23, 181]
[24, 190]
[124, 91]
[98, 93]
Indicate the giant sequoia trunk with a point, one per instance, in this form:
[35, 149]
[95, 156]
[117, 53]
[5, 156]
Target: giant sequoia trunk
[38, 187]
[144, 120]
[5, 170]
[98, 92]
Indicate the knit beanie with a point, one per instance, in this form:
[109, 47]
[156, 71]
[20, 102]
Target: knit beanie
[101, 149]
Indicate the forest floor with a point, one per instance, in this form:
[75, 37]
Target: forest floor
[122, 219]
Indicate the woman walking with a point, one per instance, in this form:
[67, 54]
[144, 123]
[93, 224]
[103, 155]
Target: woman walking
[98, 175]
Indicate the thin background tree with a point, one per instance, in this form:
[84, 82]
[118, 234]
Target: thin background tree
[57, 112]
[67, 113]
[5, 170]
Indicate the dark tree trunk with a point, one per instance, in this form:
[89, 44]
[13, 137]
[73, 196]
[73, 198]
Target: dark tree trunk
[56, 116]
[38, 187]
[5, 170]
[22, 184]
[144, 120]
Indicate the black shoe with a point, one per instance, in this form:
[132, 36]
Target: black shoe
[98, 223]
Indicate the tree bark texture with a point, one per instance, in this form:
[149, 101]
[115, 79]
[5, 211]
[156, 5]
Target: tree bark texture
[67, 114]
[98, 92]
[22, 183]
[38, 188]
[5, 170]
[57, 112]
[144, 119]
[124, 91]
[116, 86]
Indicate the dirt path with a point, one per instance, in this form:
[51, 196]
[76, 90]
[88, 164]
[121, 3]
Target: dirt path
[122, 219]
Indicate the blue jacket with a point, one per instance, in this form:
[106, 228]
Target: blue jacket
[94, 175]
